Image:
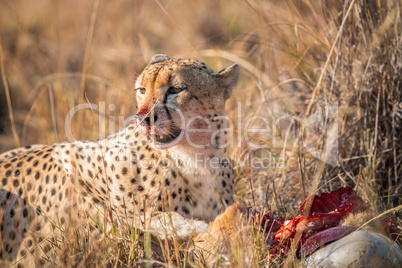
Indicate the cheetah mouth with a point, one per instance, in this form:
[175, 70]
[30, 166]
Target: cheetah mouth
[164, 139]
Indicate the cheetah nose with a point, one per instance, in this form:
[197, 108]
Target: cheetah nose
[146, 120]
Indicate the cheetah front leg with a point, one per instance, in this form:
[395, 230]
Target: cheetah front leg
[172, 224]
[94, 184]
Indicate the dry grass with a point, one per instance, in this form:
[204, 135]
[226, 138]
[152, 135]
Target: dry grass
[298, 58]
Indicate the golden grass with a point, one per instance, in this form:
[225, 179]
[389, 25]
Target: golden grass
[297, 58]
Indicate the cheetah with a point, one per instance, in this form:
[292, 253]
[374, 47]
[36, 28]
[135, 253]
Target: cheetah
[171, 159]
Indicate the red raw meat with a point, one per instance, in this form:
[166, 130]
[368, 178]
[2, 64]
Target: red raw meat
[340, 200]
[318, 213]
[315, 241]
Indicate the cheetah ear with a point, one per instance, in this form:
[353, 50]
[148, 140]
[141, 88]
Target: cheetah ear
[227, 79]
[158, 58]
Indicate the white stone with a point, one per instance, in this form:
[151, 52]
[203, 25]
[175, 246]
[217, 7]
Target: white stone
[358, 249]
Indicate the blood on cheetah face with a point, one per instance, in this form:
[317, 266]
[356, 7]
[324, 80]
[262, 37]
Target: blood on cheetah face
[177, 97]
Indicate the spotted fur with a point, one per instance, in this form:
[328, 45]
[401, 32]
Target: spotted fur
[135, 169]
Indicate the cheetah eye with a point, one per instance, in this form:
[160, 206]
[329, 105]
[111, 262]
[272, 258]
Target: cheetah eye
[142, 90]
[176, 90]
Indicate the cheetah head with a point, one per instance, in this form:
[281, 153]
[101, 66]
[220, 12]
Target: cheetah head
[177, 97]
